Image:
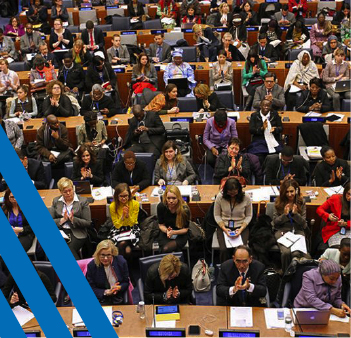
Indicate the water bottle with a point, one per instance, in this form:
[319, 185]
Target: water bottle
[288, 325]
[141, 310]
[211, 272]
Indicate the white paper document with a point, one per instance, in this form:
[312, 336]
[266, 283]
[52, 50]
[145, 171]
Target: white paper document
[168, 324]
[232, 242]
[275, 43]
[294, 89]
[334, 190]
[185, 190]
[102, 193]
[293, 241]
[313, 114]
[271, 317]
[241, 317]
[55, 153]
[262, 193]
[23, 315]
[64, 234]
[78, 321]
[338, 319]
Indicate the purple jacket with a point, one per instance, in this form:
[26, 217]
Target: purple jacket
[212, 138]
[314, 292]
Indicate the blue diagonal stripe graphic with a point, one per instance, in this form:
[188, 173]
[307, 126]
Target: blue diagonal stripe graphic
[53, 244]
[29, 283]
[9, 318]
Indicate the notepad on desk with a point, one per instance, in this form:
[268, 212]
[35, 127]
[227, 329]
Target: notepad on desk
[241, 317]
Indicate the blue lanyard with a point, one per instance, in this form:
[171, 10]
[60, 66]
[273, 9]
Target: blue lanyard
[65, 73]
[23, 110]
[170, 171]
[283, 171]
[131, 178]
[337, 70]
[101, 77]
[96, 104]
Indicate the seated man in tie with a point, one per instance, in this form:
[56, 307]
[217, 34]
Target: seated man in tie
[118, 54]
[145, 133]
[29, 43]
[53, 143]
[160, 51]
[284, 17]
[241, 281]
[93, 37]
[35, 170]
[48, 57]
[270, 90]
[265, 51]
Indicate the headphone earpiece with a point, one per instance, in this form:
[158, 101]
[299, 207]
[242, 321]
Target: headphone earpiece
[280, 156]
[117, 318]
[176, 152]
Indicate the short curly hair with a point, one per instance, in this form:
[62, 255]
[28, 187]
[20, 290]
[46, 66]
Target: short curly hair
[53, 83]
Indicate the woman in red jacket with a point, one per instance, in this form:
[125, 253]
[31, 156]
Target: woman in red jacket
[298, 7]
[335, 211]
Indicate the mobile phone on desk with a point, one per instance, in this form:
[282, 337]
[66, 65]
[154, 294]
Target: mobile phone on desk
[232, 233]
[280, 314]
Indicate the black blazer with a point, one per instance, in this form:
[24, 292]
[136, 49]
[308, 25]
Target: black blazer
[323, 171]
[104, 102]
[154, 285]
[36, 173]
[235, 53]
[64, 108]
[251, 22]
[98, 38]
[67, 35]
[218, 23]
[140, 177]
[289, 33]
[227, 277]
[74, 78]
[11, 284]
[155, 133]
[63, 16]
[242, 35]
[269, 52]
[97, 279]
[139, 12]
[256, 124]
[213, 101]
[305, 101]
[96, 170]
[92, 76]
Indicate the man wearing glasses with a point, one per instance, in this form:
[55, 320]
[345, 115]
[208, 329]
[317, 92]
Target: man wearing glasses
[131, 171]
[271, 91]
[285, 166]
[241, 281]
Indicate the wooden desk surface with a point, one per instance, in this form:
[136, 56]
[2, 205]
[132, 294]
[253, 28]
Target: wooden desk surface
[207, 317]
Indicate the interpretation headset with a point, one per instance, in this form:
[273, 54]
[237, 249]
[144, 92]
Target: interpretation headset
[176, 151]
[117, 318]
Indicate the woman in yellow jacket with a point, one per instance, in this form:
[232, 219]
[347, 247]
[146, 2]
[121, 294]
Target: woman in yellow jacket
[124, 212]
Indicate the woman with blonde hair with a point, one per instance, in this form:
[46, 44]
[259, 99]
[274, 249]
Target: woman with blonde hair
[224, 16]
[206, 99]
[80, 54]
[173, 220]
[108, 274]
[172, 168]
[206, 42]
[71, 214]
[124, 212]
[168, 281]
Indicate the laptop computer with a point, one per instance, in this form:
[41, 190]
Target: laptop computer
[312, 317]
[181, 82]
[342, 86]
[82, 187]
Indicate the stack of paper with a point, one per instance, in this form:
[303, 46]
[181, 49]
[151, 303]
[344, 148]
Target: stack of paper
[23, 315]
[262, 194]
[241, 317]
[232, 242]
[102, 193]
[334, 190]
[77, 320]
[293, 241]
[271, 317]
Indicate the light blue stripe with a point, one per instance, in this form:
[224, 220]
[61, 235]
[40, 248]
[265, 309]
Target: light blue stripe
[53, 244]
[9, 318]
[29, 282]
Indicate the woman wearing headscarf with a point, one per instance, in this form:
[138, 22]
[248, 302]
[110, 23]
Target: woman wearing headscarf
[330, 47]
[321, 289]
[302, 70]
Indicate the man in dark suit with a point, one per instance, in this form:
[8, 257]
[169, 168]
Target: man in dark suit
[270, 90]
[160, 51]
[49, 57]
[131, 171]
[93, 37]
[265, 51]
[35, 170]
[241, 281]
[145, 132]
